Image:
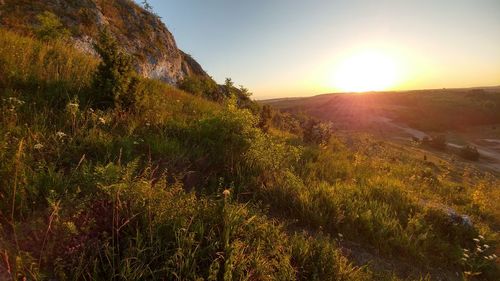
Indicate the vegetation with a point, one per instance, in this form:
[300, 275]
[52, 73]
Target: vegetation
[179, 187]
[469, 152]
[115, 81]
[50, 27]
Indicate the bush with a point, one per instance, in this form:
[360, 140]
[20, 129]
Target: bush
[437, 142]
[50, 27]
[115, 81]
[266, 116]
[202, 86]
[316, 132]
[469, 152]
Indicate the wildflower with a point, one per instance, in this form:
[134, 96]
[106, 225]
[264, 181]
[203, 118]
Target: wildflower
[61, 135]
[481, 237]
[340, 235]
[72, 108]
[466, 255]
[148, 124]
[486, 246]
[38, 146]
[226, 193]
[475, 239]
[102, 120]
[135, 142]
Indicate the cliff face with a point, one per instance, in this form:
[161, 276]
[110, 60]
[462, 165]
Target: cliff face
[139, 32]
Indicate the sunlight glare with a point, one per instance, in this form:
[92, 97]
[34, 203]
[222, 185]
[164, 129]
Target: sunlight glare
[367, 71]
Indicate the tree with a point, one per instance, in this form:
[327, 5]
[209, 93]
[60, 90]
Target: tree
[266, 116]
[50, 27]
[229, 87]
[316, 132]
[115, 79]
[147, 6]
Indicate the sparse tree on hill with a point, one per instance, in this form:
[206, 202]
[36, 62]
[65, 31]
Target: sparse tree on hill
[147, 6]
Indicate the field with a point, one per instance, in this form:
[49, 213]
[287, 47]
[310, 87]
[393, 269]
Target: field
[463, 116]
[175, 186]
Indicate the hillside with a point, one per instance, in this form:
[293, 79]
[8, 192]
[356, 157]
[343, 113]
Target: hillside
[160, 183]
[463, 116]
[139, 32]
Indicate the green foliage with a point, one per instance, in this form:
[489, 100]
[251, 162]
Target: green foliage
[50, 27]
[202, 86]
[184, 188]
[266, 116]
[115, 80]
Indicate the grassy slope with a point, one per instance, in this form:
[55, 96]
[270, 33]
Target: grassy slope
[138, 195]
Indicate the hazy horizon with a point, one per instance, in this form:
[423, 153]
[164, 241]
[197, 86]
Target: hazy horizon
[300, 48]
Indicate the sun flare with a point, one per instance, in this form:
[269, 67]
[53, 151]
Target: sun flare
[366, 71]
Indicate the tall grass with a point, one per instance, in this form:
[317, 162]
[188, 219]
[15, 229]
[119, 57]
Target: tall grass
[182, 188]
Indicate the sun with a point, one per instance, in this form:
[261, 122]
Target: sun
[366, 71]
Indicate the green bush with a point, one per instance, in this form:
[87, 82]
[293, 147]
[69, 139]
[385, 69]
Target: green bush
[50, 27]
[115, 81]
[202, 86]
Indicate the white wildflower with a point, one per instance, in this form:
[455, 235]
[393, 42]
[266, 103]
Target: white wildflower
[61, 135]
[38, 146]
[72, 108]
[486, 246]
[481, 237]
[102, 121]
[475, 239]
[226, 193]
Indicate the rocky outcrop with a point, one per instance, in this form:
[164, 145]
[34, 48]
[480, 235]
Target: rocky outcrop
[140, 33]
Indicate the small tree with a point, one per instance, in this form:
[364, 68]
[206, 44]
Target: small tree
[50, 27]
[229, 87]
[147, 6]
[316, 132]
[115, 79]
[266, 117]
[470, 153]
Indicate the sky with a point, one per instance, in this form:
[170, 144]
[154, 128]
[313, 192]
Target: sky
[285, 48]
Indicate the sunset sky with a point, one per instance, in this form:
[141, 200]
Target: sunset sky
[280, 48]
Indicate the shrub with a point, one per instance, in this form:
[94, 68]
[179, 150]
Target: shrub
[202, 86]
[50, 27]
[316, 132]
[437, 142]
[469, 152]
[115, 80]
[266, 116]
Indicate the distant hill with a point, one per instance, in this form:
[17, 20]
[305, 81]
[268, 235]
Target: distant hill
[139, 32]
[430, 110]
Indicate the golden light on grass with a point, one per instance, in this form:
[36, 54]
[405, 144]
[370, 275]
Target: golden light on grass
[366, 71]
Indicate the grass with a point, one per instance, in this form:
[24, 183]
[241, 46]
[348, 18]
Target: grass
[183, 188]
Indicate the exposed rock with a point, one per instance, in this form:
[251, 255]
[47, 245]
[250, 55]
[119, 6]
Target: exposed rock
[139, 32]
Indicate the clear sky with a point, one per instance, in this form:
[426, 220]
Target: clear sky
[279, 48]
